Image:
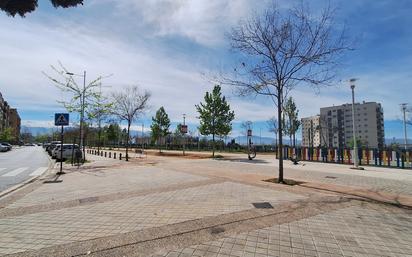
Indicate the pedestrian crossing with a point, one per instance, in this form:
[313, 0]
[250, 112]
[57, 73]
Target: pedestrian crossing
[14, 172]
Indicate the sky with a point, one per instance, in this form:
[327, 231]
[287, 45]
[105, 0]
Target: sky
[174, 47]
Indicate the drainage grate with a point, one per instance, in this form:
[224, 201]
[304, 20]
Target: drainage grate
[263, 205]
[331, 177]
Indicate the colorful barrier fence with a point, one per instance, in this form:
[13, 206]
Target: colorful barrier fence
[376, 157]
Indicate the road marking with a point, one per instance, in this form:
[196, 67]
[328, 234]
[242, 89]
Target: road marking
[15, 172]
[38, 172]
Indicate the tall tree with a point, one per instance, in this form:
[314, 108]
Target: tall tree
[21, 7]
[292, 122]
[99, 111]
[160, 126]
[113, 133]
[215, 115]
[283, 49]
[127, 106]
[81, 95]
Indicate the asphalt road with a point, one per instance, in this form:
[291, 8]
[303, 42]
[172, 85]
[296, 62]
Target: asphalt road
[20, 164]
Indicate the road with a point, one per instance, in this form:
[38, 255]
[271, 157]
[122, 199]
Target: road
[20, 164]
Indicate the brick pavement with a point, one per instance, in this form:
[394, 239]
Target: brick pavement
[186, 190]
[353, 231]
[35, 231]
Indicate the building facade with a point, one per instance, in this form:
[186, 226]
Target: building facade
[337, 130]
[310, 131]
[9, 118]
[15, 123]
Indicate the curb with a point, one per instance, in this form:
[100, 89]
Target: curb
[27, 181]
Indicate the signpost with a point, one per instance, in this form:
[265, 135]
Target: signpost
[61, 119]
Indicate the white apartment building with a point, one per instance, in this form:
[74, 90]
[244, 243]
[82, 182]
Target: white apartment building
[336, 125]
[310, 131]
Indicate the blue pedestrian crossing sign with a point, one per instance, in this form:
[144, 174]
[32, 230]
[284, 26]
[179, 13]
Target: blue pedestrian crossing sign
[61, 119]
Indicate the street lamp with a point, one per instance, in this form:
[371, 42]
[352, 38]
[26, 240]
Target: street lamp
[355, 143]
[404, 108]
[82, 109]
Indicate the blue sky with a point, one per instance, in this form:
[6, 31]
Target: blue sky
[171, 47]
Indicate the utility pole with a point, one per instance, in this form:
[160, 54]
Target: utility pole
[404, 107]
[143, 136]
[184, 124]
[355, 143]
[82, 116]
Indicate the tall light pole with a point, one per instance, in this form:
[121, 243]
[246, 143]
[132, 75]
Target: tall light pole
[82, 110]
[404, 106]
[184, 124]
[355, 143]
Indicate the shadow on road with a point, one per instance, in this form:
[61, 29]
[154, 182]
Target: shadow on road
[244, 160]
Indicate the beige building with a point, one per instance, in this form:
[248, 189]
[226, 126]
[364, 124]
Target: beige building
[310, 131]
[336, 125]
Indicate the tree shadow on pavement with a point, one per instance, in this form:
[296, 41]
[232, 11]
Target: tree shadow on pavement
[243, 160]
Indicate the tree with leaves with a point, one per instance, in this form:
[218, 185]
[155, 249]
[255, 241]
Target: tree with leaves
[291, 120]
[81, 95]
[99, 111]
[7, 135]
[128, 105]
[215, 115]
[21, 7]
[160, 126]
[283, 48]
[113, 132]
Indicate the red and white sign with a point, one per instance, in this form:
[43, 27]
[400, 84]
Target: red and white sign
[183, 129]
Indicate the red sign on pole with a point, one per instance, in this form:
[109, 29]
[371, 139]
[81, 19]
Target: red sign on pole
[183, 129]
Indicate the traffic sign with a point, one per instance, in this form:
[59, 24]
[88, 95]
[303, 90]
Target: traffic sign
[61, 119]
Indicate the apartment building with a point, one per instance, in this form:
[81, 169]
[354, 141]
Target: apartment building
[337, 130]
[9, 118]
[15, 123]
[310, 131]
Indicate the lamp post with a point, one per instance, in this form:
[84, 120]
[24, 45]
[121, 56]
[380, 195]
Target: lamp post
[355, 143]
[81, 146]
[404, 107]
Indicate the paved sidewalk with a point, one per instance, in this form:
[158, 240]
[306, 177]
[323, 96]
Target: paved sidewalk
[352, 231]
[186, 207]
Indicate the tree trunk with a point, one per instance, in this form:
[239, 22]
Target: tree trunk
[280, 128]
[213, 145]
[127, 141]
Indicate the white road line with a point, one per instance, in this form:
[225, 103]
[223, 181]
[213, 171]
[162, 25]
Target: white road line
[38, 172]
[15, 172]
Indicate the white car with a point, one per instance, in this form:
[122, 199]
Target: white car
[69, 150]
[3, 148]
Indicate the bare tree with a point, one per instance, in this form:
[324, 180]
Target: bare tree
[128, 105]
[283, 50]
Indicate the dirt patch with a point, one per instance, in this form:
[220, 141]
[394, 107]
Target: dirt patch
[289, 182]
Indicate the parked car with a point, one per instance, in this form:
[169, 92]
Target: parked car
[69, 150]
[54, 151]
[9, 146]
[52, 145]
[4, 148]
